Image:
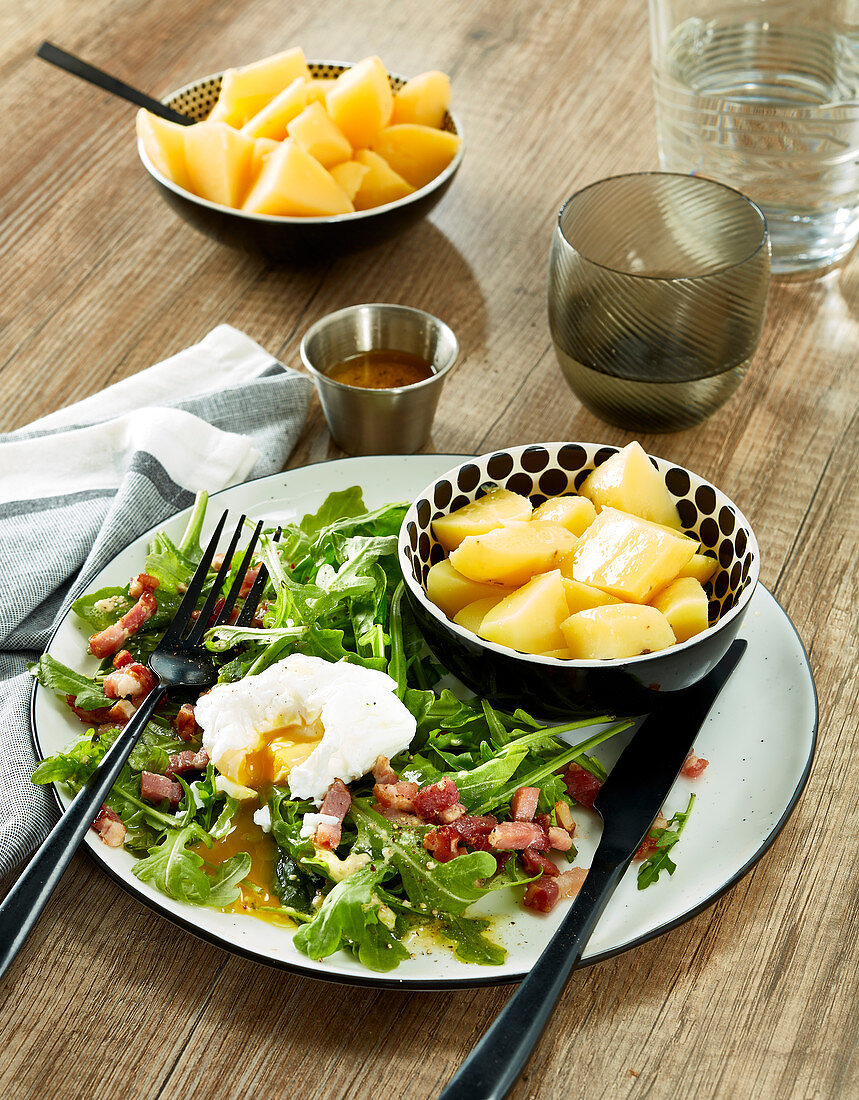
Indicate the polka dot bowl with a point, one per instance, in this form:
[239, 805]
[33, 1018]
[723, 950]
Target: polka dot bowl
[548, 685]
[296, 241]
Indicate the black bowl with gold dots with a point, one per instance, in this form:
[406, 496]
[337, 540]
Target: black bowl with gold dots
[286, 239]
[551, 685]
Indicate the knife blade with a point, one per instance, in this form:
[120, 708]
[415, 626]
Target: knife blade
[628, 803]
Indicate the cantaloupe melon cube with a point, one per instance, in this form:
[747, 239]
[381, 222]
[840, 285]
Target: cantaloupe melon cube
[495, 508]
[573, 512]
[514, 553]
[380, 185]
[272, 120]
[473, 614]
[417, 153]
[530, 618]
[315, 132]
[629, 557]
[423, 99]
[245, 91]
[263, 147]
[361, 101]
[700, 566]
[580, 596]
[628, 481]
[349, 175]
[319, 87]
[219, 161]
[618, 630]
[293, 184]
[164, 143]
[451, 591]
[684, 604]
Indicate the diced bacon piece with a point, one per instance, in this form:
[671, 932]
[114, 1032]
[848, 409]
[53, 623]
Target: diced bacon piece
[106, 642]
[430, 801]
[383, 772]
[570, 882]
[217, 562]
[541, 895]
[451, 814]
[91, 717]
[515, 835]
[187, 761]
[397, 795]
[472, 827]
[535, 861]
[131, 681]
[581, 784]
[647, 848]
[155, 788]
[399, 817]
[122, 659]
[443, 843]
[216, 611]
[143, 582]
[248, 581]
[185, 723]
[694, 766]
[121, 711]
[559, 839]
[523, 804]
[259, 617]
[336, 804]
[565, 817]
[109, 827]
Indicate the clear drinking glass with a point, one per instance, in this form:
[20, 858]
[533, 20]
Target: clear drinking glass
[764, 96]
[657, 295]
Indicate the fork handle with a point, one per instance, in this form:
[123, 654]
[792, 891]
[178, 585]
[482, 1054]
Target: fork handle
[24, 903]
[493, 1067]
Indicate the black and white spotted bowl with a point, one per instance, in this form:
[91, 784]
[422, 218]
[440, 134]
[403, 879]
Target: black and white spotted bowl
[295, 240]
[549, 685]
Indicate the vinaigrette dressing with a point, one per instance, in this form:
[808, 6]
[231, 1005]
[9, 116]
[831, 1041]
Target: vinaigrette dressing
[381, 369]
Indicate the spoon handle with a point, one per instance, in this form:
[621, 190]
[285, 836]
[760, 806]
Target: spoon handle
[71, 64]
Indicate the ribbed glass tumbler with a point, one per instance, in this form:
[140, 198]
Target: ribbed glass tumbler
[657, 295]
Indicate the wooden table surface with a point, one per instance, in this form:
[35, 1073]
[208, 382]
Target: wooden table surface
[756, 996]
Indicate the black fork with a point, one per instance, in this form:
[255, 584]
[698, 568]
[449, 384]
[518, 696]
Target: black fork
[179, 660]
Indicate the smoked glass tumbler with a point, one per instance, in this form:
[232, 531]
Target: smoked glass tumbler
[657, 295]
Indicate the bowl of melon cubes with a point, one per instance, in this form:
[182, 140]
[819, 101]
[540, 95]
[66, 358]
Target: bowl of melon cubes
[299, 160]
[577, 578]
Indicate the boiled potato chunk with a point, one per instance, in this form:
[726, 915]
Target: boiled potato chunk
[294, 184]
[684, 604]
[629, 557]
[451, 591]
[349, 175]
[380, 185]
[701, 567]
[628, 481]
[245, 91]
[219, 161]
[530, 618]
[473, 614]
[423, 99]
[417, 153]
[164, 143]
[514, 553]
[272, 120]
[315, 132]
[494, 509]
[582, 596]
[574, 513]
[563, 654]
[617, 630]
[360, 101]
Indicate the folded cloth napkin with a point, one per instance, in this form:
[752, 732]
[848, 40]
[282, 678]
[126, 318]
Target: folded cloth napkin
[78, 485]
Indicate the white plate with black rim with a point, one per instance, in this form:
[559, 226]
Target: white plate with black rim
[759, 739]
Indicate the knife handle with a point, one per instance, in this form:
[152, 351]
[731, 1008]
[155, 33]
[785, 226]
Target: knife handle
[494, 1065]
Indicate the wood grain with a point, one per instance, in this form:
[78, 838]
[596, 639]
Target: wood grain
[755, 997]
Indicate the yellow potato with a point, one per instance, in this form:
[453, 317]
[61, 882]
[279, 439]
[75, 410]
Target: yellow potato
[700, 566]
[684, 604]
[494, 509]
[451, 591]
[472, 615]
[573, 512]
[617, 630]
[514, 553]
[530, 618]
[582, 596]
[628, 481]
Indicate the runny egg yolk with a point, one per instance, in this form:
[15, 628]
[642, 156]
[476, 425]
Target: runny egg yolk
[274, 756]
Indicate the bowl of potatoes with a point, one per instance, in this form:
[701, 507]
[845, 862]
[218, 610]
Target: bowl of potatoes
[300, 160]
[577, 578]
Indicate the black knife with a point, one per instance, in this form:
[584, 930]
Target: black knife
[628, 803]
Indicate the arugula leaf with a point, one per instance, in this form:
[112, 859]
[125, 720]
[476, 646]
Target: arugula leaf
[665, 839]
[181, 874]
[74, 766]
[63, 681]
[470, 944]
[102, 608]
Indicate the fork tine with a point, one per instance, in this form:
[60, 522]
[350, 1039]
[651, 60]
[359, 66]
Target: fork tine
[195, 587]
[255, 595]
[201, 625]
[238, 580]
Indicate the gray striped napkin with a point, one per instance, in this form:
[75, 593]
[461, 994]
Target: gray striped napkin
[78, 485]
